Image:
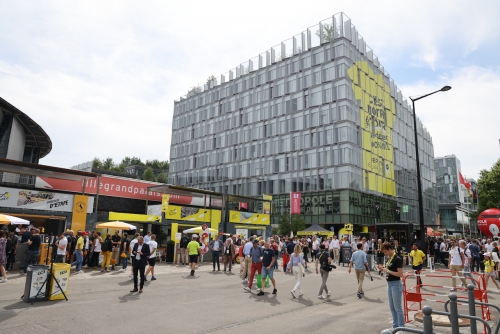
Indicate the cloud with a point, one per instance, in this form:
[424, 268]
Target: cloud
[462, 121]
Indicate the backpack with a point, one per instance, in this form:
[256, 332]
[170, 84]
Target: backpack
[323, 261]
[9, 245]
[106, 246]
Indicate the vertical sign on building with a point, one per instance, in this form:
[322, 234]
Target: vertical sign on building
[79, 217]
[243, 206]
[267, 205]
[295, 203]
[164, 202]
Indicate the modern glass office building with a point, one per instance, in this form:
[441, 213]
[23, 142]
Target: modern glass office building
[316, 114]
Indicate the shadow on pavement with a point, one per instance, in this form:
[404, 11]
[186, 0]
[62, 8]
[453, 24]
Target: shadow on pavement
[378, 301]
[129, 297]
[267, 298]
[190, 277]
[4, 316]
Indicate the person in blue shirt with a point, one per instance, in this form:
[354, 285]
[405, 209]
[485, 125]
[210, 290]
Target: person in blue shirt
[268, 258]
[360, 262]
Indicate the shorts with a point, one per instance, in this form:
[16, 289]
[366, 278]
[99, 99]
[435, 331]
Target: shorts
[491, 273]
[267, 272]
[152, 261]
[193, 258]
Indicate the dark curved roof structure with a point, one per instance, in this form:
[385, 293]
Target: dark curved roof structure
[35, 135]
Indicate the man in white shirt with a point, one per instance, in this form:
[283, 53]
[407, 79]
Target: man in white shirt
[147, 238]
[61, 244]
[132, 244]
[335, 248]
[315, 248]
[354, 245]
[457, 263]
[152, 258]
[365, 247]
[488, 246]
[442, 251]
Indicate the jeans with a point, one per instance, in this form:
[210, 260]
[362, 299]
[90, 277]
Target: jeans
[395, 294]
[215, 259]
[324, 278]
[11, 259]
[125, 262]
[33, 256]
[79, 260]
[467, 273]
[275, 265]
[59, 258]
[474, 263]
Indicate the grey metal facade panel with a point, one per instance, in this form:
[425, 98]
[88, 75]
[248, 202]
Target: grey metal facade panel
[294, 124]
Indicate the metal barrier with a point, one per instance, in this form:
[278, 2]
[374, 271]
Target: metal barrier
[411, 298]
[453, 315]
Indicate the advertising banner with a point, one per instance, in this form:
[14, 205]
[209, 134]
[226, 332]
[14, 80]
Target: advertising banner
[267, 205]
[176, 212]
[295, 203]
[61, 274]
[250, 218]
[40, 200]
[79, 218]
[165, 198]
[37, 279]
[155, 210]
[243, 206]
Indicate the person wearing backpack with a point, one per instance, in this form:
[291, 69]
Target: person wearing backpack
[183, 245]
[324, 261]
[106, 250]
[256, 255]
[12, 242]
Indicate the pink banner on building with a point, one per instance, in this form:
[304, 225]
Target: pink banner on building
[295, 203]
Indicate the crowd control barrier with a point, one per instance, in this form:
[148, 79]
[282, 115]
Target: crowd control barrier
[413, 296]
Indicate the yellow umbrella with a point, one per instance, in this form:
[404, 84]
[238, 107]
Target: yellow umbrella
[117, 225]
[200, 230]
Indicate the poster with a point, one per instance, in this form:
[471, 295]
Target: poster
[249, 218]
[295, 203]
[187, 213]
[267, 205]
[377, 115]
[205, 238]
[37, 280]
[61, 273]
[39, 200]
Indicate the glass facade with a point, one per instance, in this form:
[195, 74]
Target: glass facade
[317, 114]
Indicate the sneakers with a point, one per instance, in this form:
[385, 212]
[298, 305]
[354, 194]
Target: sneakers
[145, 279]
[274, 291]
[258, 289]
[192, 273]
[293, 293]
[121, 269]
[329, 293]
[153, 278]
[497, 291]
[261, 293]
[131, 276]
[247, 289]
[359, 295]
[3, 280]
[362, 293]
[244, 280]
[453, 289]
[301, 293]
[321, 297]
[79, 272]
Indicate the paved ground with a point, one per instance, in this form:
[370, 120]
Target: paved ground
[206, 303]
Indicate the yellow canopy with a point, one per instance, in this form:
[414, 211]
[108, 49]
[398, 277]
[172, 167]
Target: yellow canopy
[199, 230]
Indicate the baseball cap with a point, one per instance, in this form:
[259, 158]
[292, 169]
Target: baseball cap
[487, 254]
[195, 235]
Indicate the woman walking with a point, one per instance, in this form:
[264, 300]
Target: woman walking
[94, 262]
[394, 271]
[124, 249]
[305, 250]
[296, 260]
[3, 255]
[489, 271]
[323, 261]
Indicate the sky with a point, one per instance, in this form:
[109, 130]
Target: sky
[101, 77]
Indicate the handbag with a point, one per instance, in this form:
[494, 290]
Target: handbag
[123, 255]
[113, 261]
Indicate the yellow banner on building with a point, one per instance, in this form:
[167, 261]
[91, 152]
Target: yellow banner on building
[79, 217]
[165, 198]
[251, 218]
[176, 212]
[267, 205]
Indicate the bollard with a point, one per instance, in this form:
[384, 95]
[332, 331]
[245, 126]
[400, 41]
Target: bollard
[454, 314]
[427, 320]
[472, 308]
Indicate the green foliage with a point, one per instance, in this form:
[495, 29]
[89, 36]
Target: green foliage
[488, 188]
[161, 237]
[289, 224]
[275, 231]
[149, 175]
[162, 178]
[109, 164]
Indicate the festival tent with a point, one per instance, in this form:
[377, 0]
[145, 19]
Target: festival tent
[314, 229]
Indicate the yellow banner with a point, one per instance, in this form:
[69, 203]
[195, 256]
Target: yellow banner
[79, 218]
[267, 205]
[176, 212]
[165, 198]
[378, 114]
[133, 217]
[249, 218]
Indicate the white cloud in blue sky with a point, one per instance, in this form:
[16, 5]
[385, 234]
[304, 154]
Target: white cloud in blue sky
[101, 76]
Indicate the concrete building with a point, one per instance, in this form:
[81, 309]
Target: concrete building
[316, 114]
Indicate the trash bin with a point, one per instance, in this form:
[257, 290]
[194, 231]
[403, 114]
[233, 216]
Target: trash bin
[61, 273]
[35, 277]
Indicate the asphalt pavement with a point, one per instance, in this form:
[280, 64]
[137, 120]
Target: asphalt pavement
[208, 302]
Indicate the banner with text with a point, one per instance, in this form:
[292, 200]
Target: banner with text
[267, 205]
[41, 200]
[239, 217]
[295, 203]
[176, 212]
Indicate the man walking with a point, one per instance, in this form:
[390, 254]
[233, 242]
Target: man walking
[380, 255]
[256, 254]
[115, 240]
[78, 253]
[417, 258]
[153, 245]
[141, 254]
[12, 243]
[324, 261]
[193, 248]
[456, 265]
[132, 245]
[360, 265]
[229, 251]
[268, 259]
[248, 260]
[183, 244]
[216, 247]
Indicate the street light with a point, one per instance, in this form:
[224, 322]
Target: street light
[419, 180]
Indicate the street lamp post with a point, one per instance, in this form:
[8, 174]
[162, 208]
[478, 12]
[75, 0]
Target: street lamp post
[419, 180]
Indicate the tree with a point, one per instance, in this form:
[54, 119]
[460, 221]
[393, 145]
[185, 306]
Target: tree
[162, 178]
[148, 174]
[287, 225]
[488, 189]
[209, 79]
